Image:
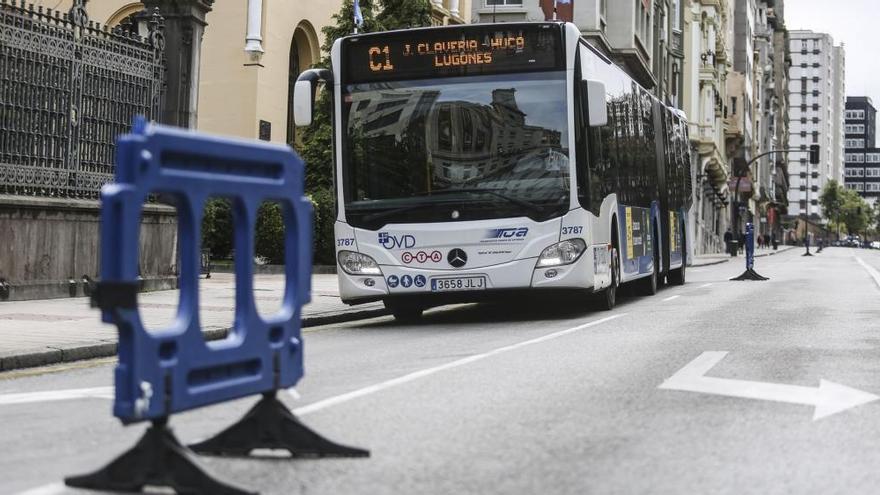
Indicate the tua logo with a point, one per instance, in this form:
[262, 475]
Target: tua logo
[516, 232]
[396, 242]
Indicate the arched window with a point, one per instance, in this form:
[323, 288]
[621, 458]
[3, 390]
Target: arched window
[129, 16]
[304, 52]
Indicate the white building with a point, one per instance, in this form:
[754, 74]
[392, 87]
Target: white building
[816, 101]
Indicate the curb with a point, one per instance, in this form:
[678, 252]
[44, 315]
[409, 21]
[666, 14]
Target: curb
[59, 355]
[709, 263]
[718, 262]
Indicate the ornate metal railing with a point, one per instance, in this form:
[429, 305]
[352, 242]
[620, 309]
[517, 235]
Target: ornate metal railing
[68, 87]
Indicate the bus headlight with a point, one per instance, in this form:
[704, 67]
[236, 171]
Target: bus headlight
[357, 264]
[562, 253]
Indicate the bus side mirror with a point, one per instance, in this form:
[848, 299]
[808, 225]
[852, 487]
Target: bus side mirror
[303, 102]
[596, 102]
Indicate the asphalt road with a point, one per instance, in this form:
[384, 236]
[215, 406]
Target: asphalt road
[537, 396]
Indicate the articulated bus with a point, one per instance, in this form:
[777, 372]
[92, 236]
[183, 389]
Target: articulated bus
[476, 160]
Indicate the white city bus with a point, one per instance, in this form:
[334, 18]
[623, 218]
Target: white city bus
[476, 160]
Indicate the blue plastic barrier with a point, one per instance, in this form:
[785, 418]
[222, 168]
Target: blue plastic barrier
[750, 273]
[174, 369]
[750, 246]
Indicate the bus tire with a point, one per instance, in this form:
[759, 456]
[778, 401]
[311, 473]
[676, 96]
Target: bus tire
[606, 299]
[404, 312]
[677, 276]
[648, 285]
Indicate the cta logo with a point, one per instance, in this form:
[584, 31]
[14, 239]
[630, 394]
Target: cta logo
[421, 257]
[389, 241]
[509, 233]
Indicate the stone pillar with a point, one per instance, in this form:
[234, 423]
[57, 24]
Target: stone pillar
[453, 7]
[184, 26]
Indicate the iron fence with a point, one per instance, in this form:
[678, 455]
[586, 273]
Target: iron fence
[68, 87]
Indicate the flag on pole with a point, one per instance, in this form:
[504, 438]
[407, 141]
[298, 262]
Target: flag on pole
[358, 16]
[558, 10]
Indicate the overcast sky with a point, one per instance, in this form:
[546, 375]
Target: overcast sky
[853, 23]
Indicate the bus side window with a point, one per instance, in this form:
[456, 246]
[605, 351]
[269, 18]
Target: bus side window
[582, 128]
[603, 159]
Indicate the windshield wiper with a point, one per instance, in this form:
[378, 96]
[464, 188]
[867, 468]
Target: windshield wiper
[494, 192]
[389, 213]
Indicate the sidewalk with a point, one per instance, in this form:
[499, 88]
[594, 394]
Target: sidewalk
[41, 332]
[714, 259]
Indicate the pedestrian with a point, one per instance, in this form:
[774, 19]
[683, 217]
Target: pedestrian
[774, 242]
[760, 241]
[728, 239]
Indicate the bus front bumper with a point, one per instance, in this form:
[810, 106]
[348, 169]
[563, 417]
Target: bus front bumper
[477, 283]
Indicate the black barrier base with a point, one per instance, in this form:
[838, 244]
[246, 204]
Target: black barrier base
[750, 274]
[158, 460]
[271, 425]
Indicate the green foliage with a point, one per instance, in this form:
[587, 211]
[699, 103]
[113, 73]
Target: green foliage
[831, 199]
[855, 212]
[269, 236]
[217, 228]
[403, 14]
[324, 203]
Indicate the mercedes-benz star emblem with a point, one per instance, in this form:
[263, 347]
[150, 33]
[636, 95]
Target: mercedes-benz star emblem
[456, 257]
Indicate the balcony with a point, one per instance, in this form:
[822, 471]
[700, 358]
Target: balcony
[446, 12]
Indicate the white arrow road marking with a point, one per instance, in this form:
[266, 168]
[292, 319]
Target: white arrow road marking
[54, 395]
[829, 398]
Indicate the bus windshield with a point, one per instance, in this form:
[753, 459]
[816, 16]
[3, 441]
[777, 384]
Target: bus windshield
[455, 148]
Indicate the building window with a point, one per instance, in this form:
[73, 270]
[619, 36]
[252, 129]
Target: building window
[516, 3]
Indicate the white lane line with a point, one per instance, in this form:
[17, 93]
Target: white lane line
[672, 297]
[50, 489]
[55, 395]
[704, 286]
[871, 270]
[372, 389]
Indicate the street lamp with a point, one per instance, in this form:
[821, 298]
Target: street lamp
[814, 159]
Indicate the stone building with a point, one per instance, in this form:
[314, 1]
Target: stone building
[251, 54]
[643, 37]
[708, 50]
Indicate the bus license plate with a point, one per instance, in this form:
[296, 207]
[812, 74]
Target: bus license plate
[460, 283]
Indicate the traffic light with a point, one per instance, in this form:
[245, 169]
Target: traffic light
[814, 154]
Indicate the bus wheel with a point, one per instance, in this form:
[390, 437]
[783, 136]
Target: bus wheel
[607, 298]
[404, 312]
[676, 277]
[648, 285]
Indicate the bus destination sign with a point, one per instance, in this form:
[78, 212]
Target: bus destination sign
[465, 51]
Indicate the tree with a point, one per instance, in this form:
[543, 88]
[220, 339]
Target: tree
[403, 14]
[855, 212]
[217, 228]
[831, 200]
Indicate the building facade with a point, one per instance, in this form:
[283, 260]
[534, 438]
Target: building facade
[644, 37]
[251, 54]
[862, 157]
[816, 95]
[708, 43]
